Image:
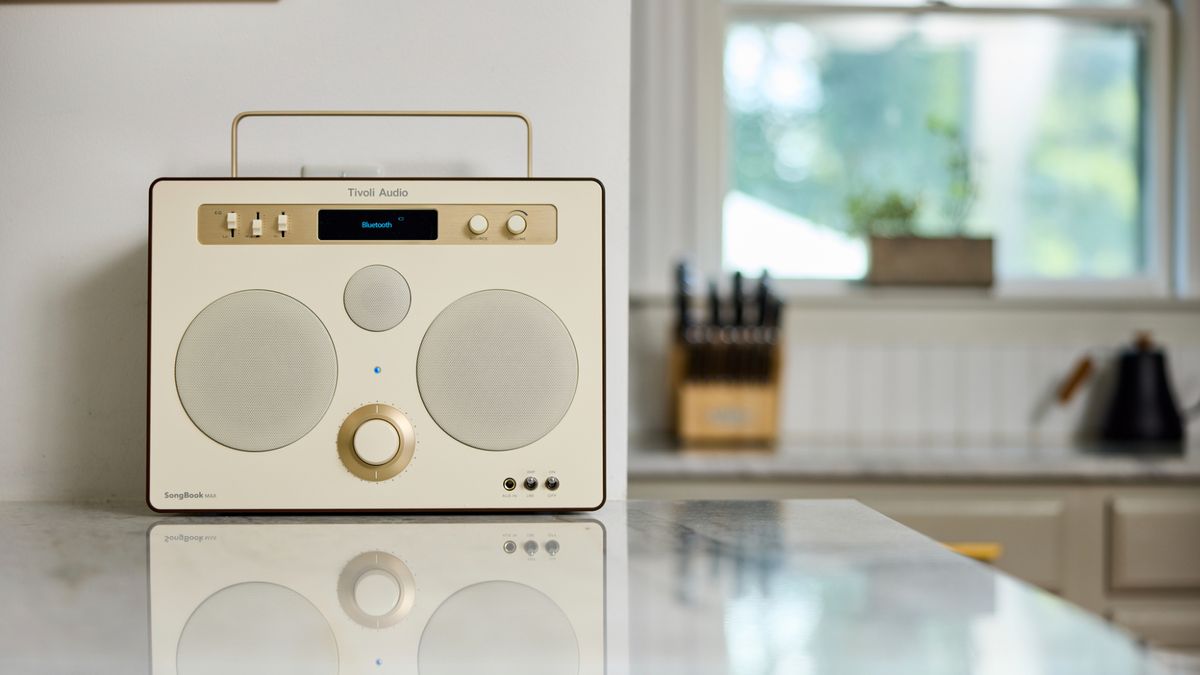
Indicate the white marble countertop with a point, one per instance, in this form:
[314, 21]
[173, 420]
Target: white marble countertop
[641, 587]
[660, 460]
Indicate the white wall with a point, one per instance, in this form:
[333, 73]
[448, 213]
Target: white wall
[98, 99]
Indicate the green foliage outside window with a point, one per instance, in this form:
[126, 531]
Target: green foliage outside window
[909, 135]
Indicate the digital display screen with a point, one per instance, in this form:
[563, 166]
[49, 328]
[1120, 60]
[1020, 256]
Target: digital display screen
[377, 224]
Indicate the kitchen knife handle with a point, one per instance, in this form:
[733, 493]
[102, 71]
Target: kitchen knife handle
[763, 299]
[714, 305]
[739, 300]
[683, 298]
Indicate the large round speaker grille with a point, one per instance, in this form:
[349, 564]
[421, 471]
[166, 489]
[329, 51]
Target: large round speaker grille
[498, 627]
[497, 370]
[256, 628]
[377, 298]
[256, 370]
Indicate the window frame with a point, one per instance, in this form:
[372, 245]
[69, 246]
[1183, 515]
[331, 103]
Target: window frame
[1164, 279]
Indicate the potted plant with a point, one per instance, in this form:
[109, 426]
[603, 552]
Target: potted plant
[899, 255]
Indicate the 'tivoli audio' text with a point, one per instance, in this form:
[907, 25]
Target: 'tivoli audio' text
[377, 192]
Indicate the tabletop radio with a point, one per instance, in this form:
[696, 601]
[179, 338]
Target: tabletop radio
[395, 597]
[376, 344]
[398, 344]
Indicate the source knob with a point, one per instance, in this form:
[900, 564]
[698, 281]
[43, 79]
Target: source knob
[376, 442]
[477, 224]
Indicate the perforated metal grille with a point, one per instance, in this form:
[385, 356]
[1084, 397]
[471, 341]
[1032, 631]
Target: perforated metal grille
[377, 298]
[497, 370]
[482, 628]
[256, 370]
[256, 628]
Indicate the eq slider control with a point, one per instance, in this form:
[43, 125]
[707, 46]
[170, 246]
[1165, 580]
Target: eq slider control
[231, 223]
[281, 222]
[256, 225]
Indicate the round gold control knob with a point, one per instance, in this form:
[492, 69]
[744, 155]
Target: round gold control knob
[376, 442]
[376, 589]
[377, 593]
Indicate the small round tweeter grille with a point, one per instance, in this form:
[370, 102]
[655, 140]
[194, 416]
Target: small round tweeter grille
[497, 370]
[377, 298]
[256, 370]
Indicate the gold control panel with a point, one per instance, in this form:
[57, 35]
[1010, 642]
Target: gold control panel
[282, 224]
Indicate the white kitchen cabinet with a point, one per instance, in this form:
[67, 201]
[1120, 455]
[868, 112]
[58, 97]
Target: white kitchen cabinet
[1155, 543]
[1028, 531]
[1164, 623]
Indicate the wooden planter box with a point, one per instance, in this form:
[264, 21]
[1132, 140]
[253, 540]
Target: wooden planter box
[930, 261]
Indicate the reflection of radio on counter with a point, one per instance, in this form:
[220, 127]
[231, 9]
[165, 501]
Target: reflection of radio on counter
[430, 597]
[724, 372]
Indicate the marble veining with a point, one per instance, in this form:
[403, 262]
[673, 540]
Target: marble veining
[639, 587]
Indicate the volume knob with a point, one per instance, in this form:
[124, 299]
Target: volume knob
[377, 593]
[516, 224]
[376, 442]
[376, 590]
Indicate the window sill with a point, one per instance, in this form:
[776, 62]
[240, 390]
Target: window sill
[857, 296]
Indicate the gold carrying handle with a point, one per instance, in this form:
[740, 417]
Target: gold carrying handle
[233, 168]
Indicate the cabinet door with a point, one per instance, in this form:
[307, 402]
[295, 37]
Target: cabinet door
[1154, 543]
[1029, 530]
[1162, 624]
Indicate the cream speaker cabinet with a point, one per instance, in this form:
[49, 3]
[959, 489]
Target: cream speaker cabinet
[376, 344]
[377, 597]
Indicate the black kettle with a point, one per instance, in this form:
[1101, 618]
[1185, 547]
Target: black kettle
[1143, 416]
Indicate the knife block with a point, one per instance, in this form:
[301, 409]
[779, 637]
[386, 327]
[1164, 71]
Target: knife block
[725, 410]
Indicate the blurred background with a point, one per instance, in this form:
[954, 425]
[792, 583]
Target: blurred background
[939, 257]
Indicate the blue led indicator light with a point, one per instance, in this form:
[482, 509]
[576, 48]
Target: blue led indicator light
[379, 662]
[378, 370]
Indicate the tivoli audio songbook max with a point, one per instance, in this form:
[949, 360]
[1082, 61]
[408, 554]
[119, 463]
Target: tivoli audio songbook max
[397, 344]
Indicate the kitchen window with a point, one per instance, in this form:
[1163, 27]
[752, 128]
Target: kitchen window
[1046, 126]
